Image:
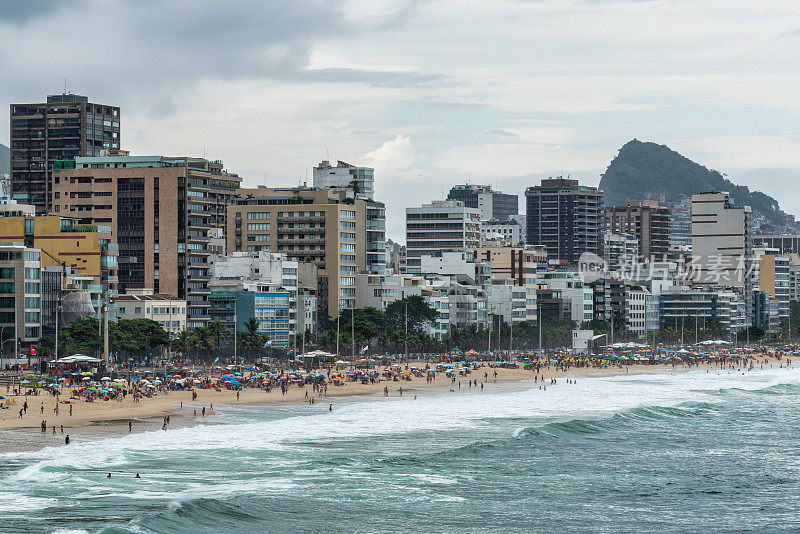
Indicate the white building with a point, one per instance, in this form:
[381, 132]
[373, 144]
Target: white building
[572, 289]
[168, 311]
[267, 273]
[722, 243]
[507, 232]
[377, 291]
[621, 252]
[455, 263]
[508, 302]
[361, 180]
[439, 226]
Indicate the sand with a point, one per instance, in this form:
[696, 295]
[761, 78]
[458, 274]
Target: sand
[92, 420]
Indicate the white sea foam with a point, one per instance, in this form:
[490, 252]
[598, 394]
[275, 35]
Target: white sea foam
[467, 409]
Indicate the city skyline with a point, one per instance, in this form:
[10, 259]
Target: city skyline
[524, 91]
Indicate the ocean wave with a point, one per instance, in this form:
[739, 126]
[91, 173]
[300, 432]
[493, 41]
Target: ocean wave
[581, 428]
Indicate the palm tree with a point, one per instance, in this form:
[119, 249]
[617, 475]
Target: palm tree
[217, 332]
[250, 338]
[182, 343]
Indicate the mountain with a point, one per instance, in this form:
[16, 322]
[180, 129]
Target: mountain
[644, 170]
[5, 159]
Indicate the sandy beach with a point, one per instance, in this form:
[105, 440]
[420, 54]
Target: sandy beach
[91, 420]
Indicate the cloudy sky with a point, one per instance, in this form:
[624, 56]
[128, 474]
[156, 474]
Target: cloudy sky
[429, 93]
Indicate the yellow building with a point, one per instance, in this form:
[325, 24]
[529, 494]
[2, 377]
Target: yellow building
[85, 248]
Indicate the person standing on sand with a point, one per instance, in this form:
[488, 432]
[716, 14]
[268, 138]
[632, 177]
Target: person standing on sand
[70, 410]
[204, 411]
[62, 430]
[66, 440]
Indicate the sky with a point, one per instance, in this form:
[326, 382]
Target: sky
[429, 93]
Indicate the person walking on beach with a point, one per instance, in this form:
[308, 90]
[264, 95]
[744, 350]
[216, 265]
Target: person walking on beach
[204, 411]
[20, 413]
[62, 430]
[130, 426]
[70, 410]
[401, 391]
[330, 407]
[41, 410]
[66, 440]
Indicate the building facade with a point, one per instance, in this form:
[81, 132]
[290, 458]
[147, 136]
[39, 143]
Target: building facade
[566, 218]
[438, 226]
[360, 180]
[64, 127]
[722, 243]
[491, 204]
[20, 300]
[168, 311]
[646, 220]
[324, 227]
[160, 211]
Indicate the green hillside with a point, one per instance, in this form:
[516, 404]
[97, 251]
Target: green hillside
[643, 169]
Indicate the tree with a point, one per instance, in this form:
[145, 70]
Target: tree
[182, 343]
[419, 312]
[217, 332]
[250, 338]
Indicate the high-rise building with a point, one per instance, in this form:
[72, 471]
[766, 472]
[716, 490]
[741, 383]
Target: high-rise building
[491, 204]
[621, 252]
[20, 299]
[440, 225]
[325, 227]
[64, 127]
[360, 180]
[160, 211]
[770, 273]
[645, 219]
[566, 218]
[722, 242]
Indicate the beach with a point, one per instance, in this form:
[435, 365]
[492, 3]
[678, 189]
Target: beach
[99, 418]
[651, 450]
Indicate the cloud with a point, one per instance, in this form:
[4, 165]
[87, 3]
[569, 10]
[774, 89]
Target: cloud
[501, 133]
[397, 153]
[518, 159]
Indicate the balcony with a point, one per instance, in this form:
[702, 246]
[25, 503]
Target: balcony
[313, 218]
[301, 241]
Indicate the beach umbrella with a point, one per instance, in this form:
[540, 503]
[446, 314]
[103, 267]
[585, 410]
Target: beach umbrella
[86, 379]
[105, 379]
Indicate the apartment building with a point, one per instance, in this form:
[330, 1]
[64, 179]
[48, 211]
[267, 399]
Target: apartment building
[282, 293]
[491, 204]
[516, 266]
[321, 226]
[20, 299]
[646, 220]
[722, 243]
[166, 310]
[160, 210]
[63, 127]
[438, 226]
[360, 180]
[566, 218]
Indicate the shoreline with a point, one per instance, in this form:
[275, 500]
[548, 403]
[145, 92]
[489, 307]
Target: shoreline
[101, 419]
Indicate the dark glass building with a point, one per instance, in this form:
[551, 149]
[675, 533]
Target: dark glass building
[64, 127]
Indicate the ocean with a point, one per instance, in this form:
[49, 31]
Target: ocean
[682, 452]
